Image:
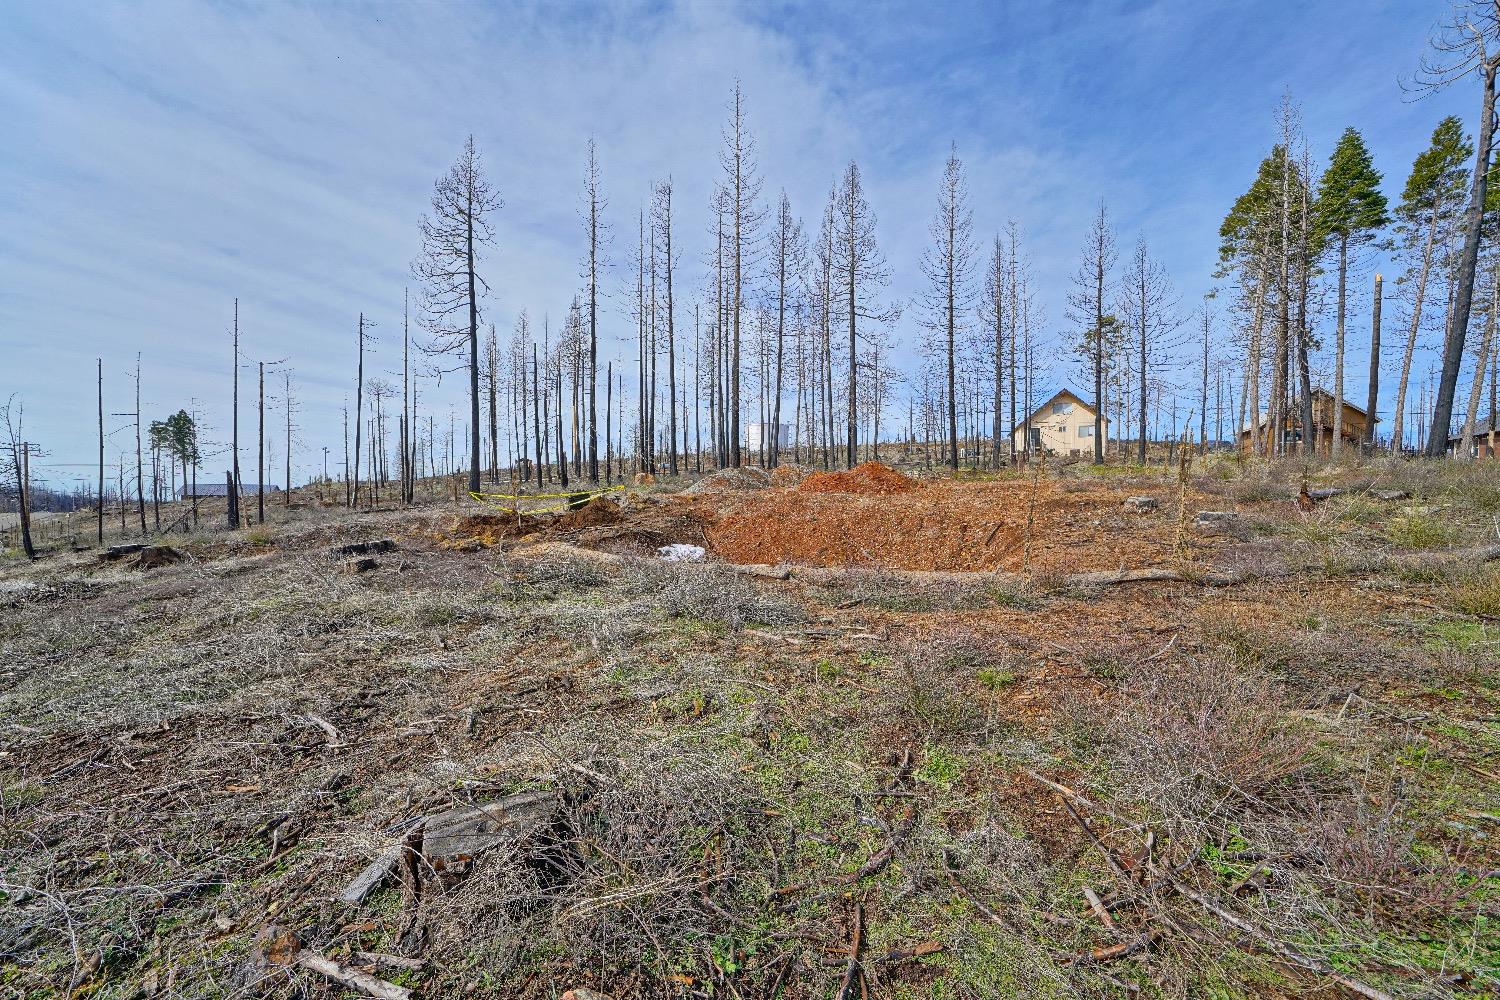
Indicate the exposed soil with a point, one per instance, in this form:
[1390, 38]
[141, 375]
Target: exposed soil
[875, 516]
[866, 479]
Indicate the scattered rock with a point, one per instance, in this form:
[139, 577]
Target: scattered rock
[365, 548]
[1141, 504]
[363, 565]
[1326, 493]
[681, 552]
[1390, 496]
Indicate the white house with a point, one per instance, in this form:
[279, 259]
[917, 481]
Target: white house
[1063, 425]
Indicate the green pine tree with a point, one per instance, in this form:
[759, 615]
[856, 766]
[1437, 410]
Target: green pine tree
[1430, 207]
[1349, 210]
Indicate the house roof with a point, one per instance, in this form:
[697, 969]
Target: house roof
[1063, 394]
[1318, 393]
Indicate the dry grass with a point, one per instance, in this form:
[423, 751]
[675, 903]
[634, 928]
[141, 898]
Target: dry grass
[746, 766]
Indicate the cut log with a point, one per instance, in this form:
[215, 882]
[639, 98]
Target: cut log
[353, 978]
[366, 881]
[469, 830]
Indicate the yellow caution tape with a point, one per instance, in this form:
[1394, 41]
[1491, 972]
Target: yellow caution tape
[570, 498]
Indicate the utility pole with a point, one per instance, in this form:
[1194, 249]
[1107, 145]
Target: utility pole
[101, 451]
[234, 487]
[1374, 370]
[260, 444]
[140, 496]
[288, 494]
[359, 394]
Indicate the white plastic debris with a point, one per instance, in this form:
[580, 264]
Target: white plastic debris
[679, 552]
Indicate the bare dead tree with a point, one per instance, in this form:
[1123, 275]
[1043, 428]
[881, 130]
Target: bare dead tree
[452, 236]
[100, 511]
[1468, 43]
[787, 256]
[1149, 306]
[491, 386]
[663, 219]
[947, 265]
[597, 234]
[1483, 359]
[742, 189]
[1374, 396]
[287, 496]
[1087, 308]
[14, 414]
[859, 268]
[234, 488]
[359, 395]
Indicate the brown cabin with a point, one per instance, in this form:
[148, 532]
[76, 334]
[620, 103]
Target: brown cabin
[1355, 429]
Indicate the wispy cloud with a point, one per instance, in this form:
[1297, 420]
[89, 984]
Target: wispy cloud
[162, 160]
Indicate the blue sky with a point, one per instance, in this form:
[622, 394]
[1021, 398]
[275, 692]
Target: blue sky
[161, 159]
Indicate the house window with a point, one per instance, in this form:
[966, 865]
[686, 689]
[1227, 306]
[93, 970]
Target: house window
[1062, 407]
[1086, 431]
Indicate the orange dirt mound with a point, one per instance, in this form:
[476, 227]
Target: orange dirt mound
[941, 526]
[868, 479]
[789, 475]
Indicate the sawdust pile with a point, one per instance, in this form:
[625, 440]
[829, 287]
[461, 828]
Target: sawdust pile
[868, 479]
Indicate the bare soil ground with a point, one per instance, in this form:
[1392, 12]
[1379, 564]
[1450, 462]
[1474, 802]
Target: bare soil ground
[997, 779]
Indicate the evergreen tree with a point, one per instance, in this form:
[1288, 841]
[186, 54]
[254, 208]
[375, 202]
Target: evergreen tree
[1428, 211]
[1349, 210]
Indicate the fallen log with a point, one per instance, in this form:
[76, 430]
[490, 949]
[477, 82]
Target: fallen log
[1114, 952]
[365, 882]
[353, 978]
[279, 946]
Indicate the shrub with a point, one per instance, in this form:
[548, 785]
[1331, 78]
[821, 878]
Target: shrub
[1421, 530]
[996, 679]
[1480, 596]
[1197, 743]
[712, 593]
